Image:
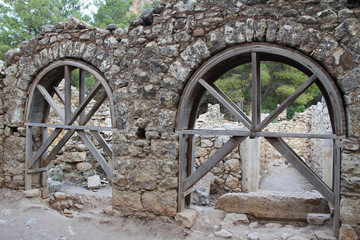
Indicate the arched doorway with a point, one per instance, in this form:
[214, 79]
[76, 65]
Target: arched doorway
[74, 117]
[203, 80]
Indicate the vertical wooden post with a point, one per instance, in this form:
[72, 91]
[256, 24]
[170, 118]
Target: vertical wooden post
[67, 94]
[28, 154]
[336, 186]
[256, 91]
[190, 167]
[81, 91]
[182, 172]
[43, 179]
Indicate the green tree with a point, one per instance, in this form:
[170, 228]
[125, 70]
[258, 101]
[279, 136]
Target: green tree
[278, 81]
[113, 11]
[21, 20]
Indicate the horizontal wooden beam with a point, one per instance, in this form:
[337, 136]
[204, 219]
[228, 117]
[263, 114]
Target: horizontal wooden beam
[37, 170]
[258, 134]
[282, 147]
[63, 126]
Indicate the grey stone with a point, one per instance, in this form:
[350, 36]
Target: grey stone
[350, 80]
[317, 218]
[195, 53]
[31, 222]
[347, 233]
[236, 219]
[47, 28]
[112, 27]
[147, 16]
[32, 193]
[54, 186]
[186, 218]
[179, 71]
[93, 182]
[253, 236]
[261, 204]
[223, 234]
[320, 235]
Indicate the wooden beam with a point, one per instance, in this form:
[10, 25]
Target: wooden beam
[67, 77]
[206, 167]
[336, 186]
[287, 103]
[282, 147]
[44, 147]
[97, 105]
[58, 147]
[182, 172]
[59, 94]
[28, 154]
[227, 102]
[86, 101]
[76, 127]
[37, 170]
[51, 102]
[102, 143]
[101, 160]
[256, 90]
[211, 132]
[190, 164]
[81, 90]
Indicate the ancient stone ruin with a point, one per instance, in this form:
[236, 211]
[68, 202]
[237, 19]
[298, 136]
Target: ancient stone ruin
[152, 77]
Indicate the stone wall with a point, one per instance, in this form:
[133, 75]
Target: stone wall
[148, 65]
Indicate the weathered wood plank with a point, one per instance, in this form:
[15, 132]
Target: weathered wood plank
[51, 102]
[256, 90]
[182, 172]
[212, 161]
[102, 143]
[282, 147]
[59, 94]
[86, 101]
[259, 134]
[28, 154]
[58, 147]
[37, 170]
[287, 103]
[337, 186]
[44, 147]
[63, 126]
[81, 91]
[227, 102]
[97, 105]
[101, 160]
[67, 77]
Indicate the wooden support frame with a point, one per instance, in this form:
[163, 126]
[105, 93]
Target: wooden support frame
[203, 80]
[50, 77]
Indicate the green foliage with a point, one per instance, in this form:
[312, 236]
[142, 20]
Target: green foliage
[113, 11]
[278, 82]
[21, 20]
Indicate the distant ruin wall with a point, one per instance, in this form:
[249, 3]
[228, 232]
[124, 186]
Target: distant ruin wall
[147, 67]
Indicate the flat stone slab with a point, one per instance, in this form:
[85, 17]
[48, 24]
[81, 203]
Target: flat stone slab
[274, 204]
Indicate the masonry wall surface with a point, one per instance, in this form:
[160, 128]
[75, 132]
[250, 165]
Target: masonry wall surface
[147, 67]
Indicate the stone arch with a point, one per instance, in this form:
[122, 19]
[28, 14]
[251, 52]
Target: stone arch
[254, 53]
[41, 99]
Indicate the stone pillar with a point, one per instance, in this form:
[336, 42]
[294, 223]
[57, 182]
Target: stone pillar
[250, 157]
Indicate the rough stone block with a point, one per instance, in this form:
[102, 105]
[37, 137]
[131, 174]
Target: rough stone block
[236, 219]
[186, 218]
[274, 205]
[32, 193]
[317, 218]
[94, 182]
[223, 234]
[347, 233]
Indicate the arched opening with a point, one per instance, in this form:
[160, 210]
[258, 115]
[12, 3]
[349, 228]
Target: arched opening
[203, 81]
[64, 102]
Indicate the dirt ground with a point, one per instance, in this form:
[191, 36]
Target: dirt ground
[31, 218]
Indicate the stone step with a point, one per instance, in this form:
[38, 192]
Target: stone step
[274, 205]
